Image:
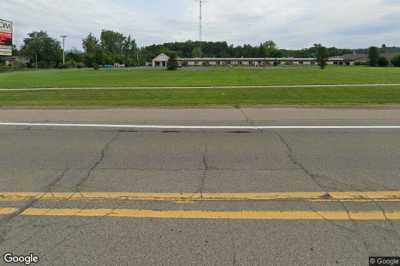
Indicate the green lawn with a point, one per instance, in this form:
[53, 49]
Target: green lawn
[200, 77]
[203, 97]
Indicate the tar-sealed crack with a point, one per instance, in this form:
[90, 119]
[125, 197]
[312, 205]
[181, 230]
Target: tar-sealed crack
[387, 220]
[205, 169]
[49, 188]
[248, 120]
[325, 188]
[4, 222]
[297, 163]
[97, 162]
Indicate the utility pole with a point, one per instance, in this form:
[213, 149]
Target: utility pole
[36, 52]
[63, 37]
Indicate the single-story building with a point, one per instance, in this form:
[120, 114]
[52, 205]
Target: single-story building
[15, 60]
[363, 59]
[356, 58]
[162, 61]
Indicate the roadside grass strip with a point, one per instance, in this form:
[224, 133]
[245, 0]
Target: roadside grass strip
[207, 87]
[307, 95]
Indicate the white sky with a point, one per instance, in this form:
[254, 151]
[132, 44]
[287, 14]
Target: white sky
[291, 23]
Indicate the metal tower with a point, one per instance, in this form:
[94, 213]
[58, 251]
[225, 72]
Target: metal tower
[201, 2]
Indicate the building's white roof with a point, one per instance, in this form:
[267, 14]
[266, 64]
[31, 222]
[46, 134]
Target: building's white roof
[161, 57]
[164, 57]
[254, 59]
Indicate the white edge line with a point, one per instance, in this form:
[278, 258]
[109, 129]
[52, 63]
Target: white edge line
[116, 126]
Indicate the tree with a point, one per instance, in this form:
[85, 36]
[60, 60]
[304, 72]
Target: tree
[271, 49]
[322, 55]
[383, 48]
[373, 56]
[15, 51]
[113, 47]
[93, 52]
[197, 52]
[112, 44]
[396, 61]
[383, 62]
[261, 51]
[172, 61]
[42, 50]
[74, 58]
[130, 52]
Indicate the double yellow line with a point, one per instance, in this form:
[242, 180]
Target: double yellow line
[382, 196]
[210, 215]
[355, 196]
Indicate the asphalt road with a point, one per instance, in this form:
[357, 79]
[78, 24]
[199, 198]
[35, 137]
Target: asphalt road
[218, 219]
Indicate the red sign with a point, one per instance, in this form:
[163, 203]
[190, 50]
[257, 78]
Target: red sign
[5, 38]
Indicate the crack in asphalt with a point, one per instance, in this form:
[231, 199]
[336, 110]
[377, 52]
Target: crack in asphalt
[205, 169]
[355, 231]
[293, 159]
[388, 221]
[49, 188]
[233, 243]
[248, 120]
[5, 221]
[97, 162]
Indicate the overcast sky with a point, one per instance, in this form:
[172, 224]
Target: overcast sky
[291, 23]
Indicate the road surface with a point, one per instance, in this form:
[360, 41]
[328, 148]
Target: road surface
[93, 196]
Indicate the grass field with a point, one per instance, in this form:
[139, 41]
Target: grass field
[203, 97]
[201, 77]
[312, 96]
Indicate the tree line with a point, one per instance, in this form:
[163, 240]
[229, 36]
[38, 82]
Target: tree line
[376, 59]
[112, 47]
[222, 49]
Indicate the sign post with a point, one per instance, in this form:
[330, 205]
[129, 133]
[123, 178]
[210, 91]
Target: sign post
[6, 37]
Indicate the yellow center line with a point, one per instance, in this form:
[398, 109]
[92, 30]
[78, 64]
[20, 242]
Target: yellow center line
[218, 215]
[367, 196]
[7, 211]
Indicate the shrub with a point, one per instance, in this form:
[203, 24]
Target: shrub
[4, 68]
[172, 63]
[383, 62]
[361, 64]
[396, 61]
[62, 66]
[13, 67]
[322, 55]
[373, 56]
